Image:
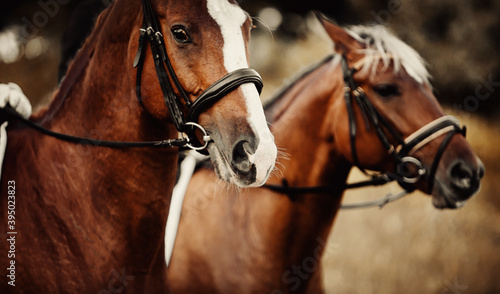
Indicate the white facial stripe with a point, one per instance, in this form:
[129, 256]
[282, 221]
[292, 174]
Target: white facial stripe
[230, 18]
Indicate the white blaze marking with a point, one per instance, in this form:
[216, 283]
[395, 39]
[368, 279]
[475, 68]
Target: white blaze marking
[230, 18]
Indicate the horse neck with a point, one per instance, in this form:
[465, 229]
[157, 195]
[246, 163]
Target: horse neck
[303, 131]
[99, 80]
[129, 188]
[302, 128]
[97, 98]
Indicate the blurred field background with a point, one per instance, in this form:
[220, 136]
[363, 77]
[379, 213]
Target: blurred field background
[408, 246]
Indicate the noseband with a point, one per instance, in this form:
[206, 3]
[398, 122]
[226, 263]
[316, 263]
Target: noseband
[402, 153]
[152, 32]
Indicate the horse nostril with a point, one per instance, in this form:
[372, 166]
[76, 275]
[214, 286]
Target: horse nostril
[461, 175]
[241, 152]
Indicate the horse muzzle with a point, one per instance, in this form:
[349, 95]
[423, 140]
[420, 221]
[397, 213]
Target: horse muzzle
[462, 181]
[249, 161]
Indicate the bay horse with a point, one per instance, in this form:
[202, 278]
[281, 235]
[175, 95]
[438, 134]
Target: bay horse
[352, 109]
[88, 216]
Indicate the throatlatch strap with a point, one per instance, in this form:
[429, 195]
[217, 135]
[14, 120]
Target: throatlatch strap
[151, 28]
[350, 110]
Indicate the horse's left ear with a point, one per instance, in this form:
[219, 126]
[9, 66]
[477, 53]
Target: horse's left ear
[344, 42]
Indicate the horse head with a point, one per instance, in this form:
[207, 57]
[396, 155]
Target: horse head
[206, 64]
[394, 124]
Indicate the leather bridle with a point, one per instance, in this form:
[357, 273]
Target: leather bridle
[402, 153]
[152, 31]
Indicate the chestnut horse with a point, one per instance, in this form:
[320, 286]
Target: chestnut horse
[89, 218]
[261, 240]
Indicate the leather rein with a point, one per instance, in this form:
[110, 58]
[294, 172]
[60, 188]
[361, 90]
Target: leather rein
[151, 32]
[402, 153]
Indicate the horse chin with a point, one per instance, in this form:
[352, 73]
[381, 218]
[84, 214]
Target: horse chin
[444, 198]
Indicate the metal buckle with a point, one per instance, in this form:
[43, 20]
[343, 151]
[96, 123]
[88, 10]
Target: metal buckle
[358, 91]
[206, 137]
[405, 175]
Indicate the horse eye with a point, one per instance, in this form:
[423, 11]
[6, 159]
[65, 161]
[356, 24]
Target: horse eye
[180, 35]
[387, 90]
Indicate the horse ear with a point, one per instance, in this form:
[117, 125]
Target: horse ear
[344, 42]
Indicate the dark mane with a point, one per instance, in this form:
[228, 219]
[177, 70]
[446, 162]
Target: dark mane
[75, 69]
[80, 26]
